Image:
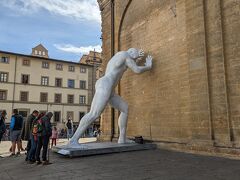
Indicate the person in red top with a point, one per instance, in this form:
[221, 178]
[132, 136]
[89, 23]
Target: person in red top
[54, 136]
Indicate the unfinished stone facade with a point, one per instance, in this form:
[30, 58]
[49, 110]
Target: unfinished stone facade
[192, 94]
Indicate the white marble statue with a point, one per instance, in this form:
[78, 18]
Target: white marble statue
[105, 92]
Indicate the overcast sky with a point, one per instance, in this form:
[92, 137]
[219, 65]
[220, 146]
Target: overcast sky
[67, 28]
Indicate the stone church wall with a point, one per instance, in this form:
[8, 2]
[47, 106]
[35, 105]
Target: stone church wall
[192, 94]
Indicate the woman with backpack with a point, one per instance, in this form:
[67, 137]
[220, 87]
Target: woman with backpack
[34, 139]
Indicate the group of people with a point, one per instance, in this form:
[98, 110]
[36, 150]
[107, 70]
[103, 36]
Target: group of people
[36, 130]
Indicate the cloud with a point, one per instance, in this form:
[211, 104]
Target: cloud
[77, 50]
[78, 9]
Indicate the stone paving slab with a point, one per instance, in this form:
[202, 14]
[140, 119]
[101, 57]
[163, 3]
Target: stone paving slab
[5, 145]
[136, 165]
[90, 149]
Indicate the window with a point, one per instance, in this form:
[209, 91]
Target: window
[45, 64]
[70, 115]
[82, 84]
[5, 59]
[40, 52]
[43, 97]
[59, 66]
[82, 100]
[26, 62]
[81, 114]
[44, 53]
[25, 79]
[3, 95]
[36, 52]
[23, 113]
[71, 68]
[58, 98]
[70, 99]
[58, 82]
[82, 70]
[44, 81]
[3, 77]
[71, 83]
[23, 96]
[57, 115]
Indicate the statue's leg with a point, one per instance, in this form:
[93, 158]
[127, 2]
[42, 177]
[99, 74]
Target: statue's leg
[118, 103]
[99, 102]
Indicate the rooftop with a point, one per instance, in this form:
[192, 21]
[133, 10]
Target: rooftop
[43, 58]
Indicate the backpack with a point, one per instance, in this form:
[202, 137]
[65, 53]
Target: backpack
[37, 127]
[40, 125]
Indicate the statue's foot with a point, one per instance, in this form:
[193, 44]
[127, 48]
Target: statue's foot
[75, 144]
[125, 141]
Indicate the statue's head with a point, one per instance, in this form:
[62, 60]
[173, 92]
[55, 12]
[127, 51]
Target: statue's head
[135, 53]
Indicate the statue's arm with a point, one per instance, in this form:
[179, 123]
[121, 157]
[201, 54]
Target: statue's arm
[139, 69]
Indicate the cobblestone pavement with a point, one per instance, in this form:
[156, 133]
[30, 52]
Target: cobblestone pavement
[5, 145]
[141, 165]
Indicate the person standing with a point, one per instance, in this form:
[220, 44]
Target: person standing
[69, 126]
[44, 134]
[27, 129]
[2, 124]
[16, 128]
[54, 136]
[6, 135]
[34, 139]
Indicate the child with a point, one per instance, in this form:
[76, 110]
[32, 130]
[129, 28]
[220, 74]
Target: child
[54, 136]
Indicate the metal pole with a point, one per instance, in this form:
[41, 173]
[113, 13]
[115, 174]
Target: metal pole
[48, 150]
[112, 54]
[14, 82]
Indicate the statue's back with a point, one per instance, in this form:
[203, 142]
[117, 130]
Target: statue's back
[117, 63]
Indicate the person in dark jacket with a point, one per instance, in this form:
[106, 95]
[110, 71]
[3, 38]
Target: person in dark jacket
[34, 139]
[69, 126]
[2, 124]
[27, 129]
[16, 128]
[43, 138]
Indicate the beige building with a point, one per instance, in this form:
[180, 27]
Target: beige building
[29, 82]
[191, 97]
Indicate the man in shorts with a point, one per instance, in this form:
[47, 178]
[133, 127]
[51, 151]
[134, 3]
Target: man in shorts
[16, 128]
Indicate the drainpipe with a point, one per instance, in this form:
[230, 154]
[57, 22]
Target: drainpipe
[14, 83]
[62, 113]
[112, 54]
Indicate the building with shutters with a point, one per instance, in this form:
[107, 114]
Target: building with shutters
[29, 82]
